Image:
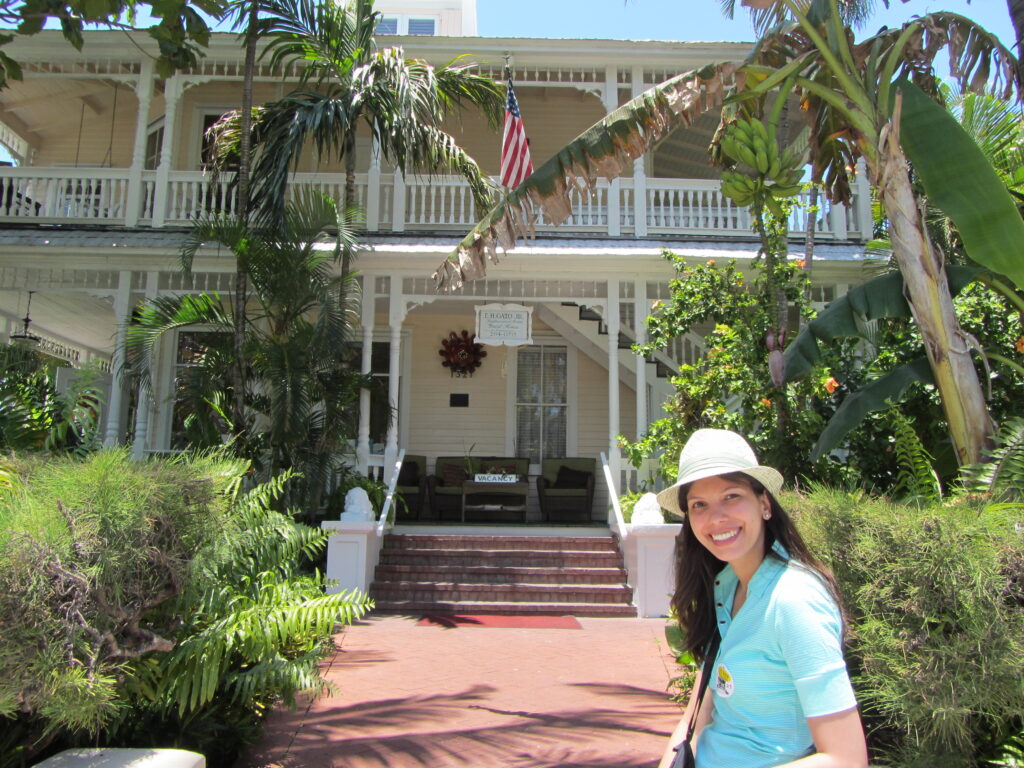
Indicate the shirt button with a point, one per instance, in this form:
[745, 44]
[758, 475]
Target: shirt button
[721, 622]
[718, 604]
[717, 582]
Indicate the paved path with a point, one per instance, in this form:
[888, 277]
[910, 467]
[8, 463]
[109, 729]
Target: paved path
[417, 697]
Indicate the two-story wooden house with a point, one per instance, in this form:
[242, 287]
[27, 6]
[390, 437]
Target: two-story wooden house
[107, 178]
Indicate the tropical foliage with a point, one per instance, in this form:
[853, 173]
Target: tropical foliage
[34, 415]
[301, 394]
[155, 603]
[347, 82]
[926, 585]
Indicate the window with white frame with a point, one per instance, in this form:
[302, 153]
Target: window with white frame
[541, 402]
[154, 144]
[402, 24]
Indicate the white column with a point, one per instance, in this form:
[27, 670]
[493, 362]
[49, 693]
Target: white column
[395, 317]
[144, 94]
[611, 103]
[865, 222]
[639, 171]
[641, 311]
[173, 89]
[373, 189]
[611, 319]
[398, 203]
[366, 311]
[122, 309]
[144, 407]
[837, 216]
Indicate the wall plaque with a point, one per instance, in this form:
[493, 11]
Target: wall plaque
[508, 324]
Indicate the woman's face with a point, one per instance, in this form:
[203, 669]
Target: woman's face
[727, 517]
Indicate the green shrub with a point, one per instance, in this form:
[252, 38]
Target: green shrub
[935, 597]
[153, 604]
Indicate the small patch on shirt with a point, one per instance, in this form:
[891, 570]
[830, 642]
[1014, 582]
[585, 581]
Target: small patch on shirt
[724, 685]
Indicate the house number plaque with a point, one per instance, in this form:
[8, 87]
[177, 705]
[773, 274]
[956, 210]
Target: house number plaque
[508, 324]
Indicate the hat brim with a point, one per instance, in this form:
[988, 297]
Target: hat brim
[769, 477]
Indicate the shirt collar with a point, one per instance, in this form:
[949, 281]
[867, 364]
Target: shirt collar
[766, 574]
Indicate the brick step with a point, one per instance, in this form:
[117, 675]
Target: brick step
[501, 558]
[482, 574]
[559, 543]
[415, 607]
[520, 593]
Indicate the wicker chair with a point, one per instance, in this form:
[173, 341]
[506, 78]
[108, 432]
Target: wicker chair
[565, 488]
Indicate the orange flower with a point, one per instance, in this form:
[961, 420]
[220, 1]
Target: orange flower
[657, 303]
[766, 402]
[1020, 345]
[831, 385]
[711, 262]
[801, 263]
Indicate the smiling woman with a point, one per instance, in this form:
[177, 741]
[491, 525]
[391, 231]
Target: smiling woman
[764, 617]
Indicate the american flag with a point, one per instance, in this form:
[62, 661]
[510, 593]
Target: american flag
[515, 147]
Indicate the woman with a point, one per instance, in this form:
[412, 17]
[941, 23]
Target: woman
[779, 693]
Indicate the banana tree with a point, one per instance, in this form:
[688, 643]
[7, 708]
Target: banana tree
[847, 94]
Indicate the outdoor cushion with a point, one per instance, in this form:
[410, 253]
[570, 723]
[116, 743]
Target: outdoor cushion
[452, 475]
[409, 474]
[571, 478]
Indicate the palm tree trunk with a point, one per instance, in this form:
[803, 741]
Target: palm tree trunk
[241, 273]
[350, 199]
[931, 303]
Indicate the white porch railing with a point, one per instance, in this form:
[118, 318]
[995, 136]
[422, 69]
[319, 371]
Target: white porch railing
[393, 203]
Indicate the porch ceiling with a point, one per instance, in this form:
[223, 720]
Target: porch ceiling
[67, 316]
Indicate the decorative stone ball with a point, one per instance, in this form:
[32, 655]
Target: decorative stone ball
[647, 511]
[357, 506]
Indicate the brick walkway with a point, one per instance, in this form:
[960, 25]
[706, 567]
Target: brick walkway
[418, 697]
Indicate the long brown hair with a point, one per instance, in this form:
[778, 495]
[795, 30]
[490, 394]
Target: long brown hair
[696, 568]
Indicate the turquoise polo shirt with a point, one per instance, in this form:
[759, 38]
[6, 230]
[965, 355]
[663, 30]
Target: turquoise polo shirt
[780, 662]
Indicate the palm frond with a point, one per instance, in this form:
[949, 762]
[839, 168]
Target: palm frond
[604, 149]
[1002, 473]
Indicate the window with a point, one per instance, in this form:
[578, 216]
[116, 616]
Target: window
[154, 145]
[406, 25]
[194, 419]
[380, 363]
[541, 402]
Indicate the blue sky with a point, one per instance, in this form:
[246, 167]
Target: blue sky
[687, 19]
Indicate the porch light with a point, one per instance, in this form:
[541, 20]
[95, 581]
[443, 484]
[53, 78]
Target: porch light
[25, 337]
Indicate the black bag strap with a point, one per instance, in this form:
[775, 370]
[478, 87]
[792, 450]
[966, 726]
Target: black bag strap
[706, 671]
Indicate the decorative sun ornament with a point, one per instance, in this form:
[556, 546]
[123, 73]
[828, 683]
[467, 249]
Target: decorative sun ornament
[461, 354]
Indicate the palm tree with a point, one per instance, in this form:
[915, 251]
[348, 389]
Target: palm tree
[854, 111]
[347, 82]
[301, 396]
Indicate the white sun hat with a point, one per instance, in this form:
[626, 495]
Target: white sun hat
[711, 452]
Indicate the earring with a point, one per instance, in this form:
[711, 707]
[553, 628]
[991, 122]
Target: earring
[767, 515]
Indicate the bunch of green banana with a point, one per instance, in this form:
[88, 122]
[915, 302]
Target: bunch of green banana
[741, 188]
[749, 143]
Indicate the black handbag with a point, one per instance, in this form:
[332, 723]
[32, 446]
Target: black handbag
[684, 752]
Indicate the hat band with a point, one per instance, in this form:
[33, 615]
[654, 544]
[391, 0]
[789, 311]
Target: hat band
[720, 464]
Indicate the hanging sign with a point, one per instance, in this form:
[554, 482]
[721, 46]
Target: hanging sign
[508, 324]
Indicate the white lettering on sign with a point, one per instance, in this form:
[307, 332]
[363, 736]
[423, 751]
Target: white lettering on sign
[508, 324]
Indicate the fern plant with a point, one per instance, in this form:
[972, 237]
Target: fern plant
[1002, 474]
[916, 478]
[194, 605]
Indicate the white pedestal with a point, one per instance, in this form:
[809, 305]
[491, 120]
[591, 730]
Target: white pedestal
[124, 758]
[649, 552]
[352, 554]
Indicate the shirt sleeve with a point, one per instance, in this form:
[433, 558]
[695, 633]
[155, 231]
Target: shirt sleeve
[809, 628]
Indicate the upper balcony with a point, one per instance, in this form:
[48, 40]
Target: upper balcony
[102, 140]
[655, 207]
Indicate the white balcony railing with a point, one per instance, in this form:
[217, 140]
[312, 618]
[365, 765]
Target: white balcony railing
[667, 207]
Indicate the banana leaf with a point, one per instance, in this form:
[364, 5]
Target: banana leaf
[605, 149]
[878, 395]
[961, 182]
[849, 314]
